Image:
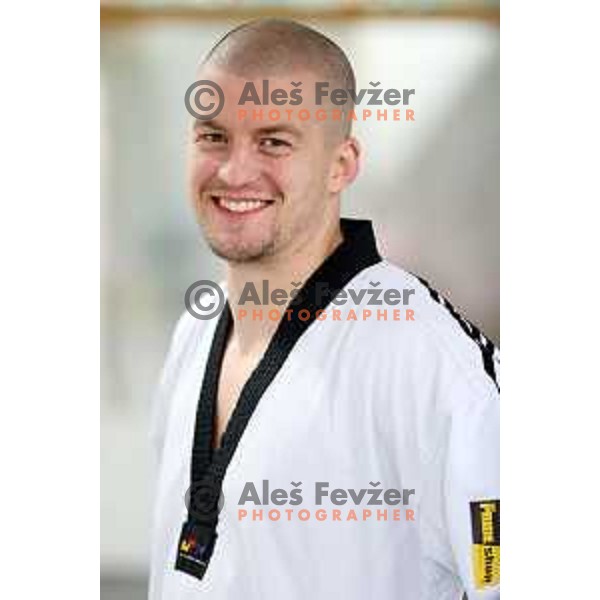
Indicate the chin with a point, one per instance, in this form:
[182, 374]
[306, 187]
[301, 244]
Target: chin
[240, 252]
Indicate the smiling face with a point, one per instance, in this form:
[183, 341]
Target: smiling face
[261, 188]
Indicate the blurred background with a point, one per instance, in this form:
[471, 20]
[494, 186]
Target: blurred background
[430, 186]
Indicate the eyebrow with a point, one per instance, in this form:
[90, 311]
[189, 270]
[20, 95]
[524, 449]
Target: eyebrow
[271, 129]
[212, 124]
[281, 128]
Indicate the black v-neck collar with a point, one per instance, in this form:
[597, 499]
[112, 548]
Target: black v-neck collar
[357, 251]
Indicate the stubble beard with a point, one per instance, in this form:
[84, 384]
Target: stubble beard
[240, 251]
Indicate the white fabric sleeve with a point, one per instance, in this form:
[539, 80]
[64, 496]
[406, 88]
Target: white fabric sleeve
[159, 409]
[471, 488]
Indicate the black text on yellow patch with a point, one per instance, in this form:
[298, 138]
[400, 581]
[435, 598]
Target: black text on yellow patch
[485, 524]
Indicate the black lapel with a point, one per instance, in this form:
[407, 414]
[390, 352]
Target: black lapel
[356, 252]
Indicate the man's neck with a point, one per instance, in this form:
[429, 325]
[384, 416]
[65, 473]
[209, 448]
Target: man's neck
[281, 272]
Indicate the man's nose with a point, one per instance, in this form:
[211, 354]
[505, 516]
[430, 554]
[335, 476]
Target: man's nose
[240, 167]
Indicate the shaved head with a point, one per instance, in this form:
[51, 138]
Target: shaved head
[276, 47]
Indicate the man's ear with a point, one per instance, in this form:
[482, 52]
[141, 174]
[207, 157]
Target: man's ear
[345, 166]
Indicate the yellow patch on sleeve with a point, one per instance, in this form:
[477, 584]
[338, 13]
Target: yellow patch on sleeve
[485, 523]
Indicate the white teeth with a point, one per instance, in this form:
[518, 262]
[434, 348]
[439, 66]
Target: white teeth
[241, 205]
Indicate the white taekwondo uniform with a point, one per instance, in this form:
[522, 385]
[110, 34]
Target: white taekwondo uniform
[356, 404]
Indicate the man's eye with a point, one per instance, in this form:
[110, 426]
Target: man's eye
[275, 145]
[211, 138]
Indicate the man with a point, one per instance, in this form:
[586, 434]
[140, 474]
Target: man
[346, 447]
